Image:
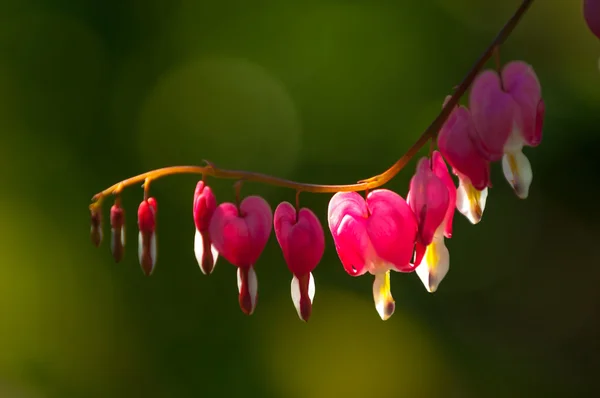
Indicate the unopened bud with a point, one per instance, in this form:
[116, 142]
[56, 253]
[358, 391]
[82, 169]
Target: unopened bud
[147, 235]
[96, 226]
[117, 224]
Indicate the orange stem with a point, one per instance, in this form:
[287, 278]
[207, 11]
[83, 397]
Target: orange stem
[374, 182]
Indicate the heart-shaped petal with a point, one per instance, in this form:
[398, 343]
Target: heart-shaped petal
[240, 235]
[300, 236]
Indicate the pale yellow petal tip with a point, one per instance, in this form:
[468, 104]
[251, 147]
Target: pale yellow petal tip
[384, 302]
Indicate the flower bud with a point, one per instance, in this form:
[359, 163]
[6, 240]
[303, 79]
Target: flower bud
[117, 225]
[205, 204]
[96, 226]
[147, 235]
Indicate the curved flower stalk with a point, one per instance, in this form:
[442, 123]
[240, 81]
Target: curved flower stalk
[377, 233]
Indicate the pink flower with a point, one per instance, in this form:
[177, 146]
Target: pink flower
[375, 235]
[240, 234]
[302, 242]
[432, 198]
[205, 204]
[591, 13]
[456, 141]
[508, 113]
[147, 235]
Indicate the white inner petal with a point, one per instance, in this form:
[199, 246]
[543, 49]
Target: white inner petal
[123, 235]
[153, 249]
[252, 285]
[518, 173]
[199, 249]
[469, 201]
[140, 246]
[295, 290]
[435, 264]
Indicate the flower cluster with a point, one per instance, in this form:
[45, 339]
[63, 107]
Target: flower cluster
[381, 231]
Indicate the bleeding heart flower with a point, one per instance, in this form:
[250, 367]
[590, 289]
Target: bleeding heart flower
[508, 113]
[375, 235]
[205, 204]
[432, 198]
[117, 226]
[302, 242]
[147, 236]
[240, 234]
[456, 141]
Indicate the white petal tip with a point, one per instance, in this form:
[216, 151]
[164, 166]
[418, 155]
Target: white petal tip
[247, 288]
[435, 264]
[303, 294]
[518, 173]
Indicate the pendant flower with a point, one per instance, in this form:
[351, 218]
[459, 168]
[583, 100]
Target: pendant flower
[302, 241]
[240, 234]
[375, 235]
[205, 204]
[508, 113]
[147, 235]
[457, 143]
[432, 198]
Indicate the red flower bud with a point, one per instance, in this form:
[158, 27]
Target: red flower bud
[117, 225]
[147, 235]
[96, 228]
[205, 204]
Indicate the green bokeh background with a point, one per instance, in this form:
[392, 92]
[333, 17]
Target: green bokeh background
[94, 91]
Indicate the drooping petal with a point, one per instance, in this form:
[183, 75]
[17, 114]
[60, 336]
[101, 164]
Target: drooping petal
[518, 173]
[429, 199]
[303, 294]
[455, 141]
[347, 216]
[241, 236]
[441, 171]
[469, 200]
[521, 82]
[205, 252]
[435, 264]
[300, 237]
[382, 295]
[392, 229]
[493, 111]
[247, 288]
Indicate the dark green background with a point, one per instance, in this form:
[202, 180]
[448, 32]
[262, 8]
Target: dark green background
[92, 92]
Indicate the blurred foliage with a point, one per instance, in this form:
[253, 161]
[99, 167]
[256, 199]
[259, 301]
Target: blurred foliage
[92, 92]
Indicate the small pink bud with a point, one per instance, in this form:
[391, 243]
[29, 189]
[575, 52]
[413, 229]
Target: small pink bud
[117, 225]
[375, 235]
[147, 236]
[96, 232]
[205, 204]
[302, 241]
[240, 235]
[591, 13]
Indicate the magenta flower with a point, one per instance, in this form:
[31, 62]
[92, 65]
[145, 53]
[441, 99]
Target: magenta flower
[375, 235]
[240, 234]
[508, 114]
[591, 13]
[147, 236]
[456, 141]
[205, 204]
[302, 242]
[432, 198]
